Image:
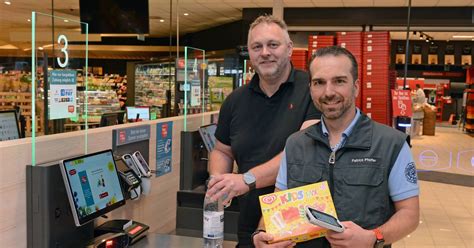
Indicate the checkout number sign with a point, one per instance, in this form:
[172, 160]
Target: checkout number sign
[63, 49]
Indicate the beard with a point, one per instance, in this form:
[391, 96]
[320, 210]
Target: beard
[334, 107]
[272, 71]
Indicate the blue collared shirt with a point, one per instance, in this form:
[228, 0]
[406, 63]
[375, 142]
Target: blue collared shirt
[346, 132]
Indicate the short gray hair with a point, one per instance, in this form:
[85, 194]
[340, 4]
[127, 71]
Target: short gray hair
[270, 19]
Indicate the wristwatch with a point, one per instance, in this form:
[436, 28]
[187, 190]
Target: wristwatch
[249, 179]
[379, 243]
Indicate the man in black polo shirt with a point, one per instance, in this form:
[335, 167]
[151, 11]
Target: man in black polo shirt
[254, 122]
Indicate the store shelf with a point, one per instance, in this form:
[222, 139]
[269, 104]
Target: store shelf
[98, 102]
[152, 81]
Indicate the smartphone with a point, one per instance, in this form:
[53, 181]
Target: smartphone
[142, 164]
[130, 162]
[324, 220]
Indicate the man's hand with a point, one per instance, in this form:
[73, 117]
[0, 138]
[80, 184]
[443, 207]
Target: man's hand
[227, 186]
[261, 240]
[353, 236]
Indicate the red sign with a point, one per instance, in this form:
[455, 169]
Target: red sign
[164, 130]
[103, 195]
[122, 136]
[401, 103]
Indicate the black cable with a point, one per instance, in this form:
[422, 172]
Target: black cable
[407, 46]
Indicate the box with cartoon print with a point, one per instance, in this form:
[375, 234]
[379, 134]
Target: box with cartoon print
[283, 212]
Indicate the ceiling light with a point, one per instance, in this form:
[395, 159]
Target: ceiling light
[7, 2]
[40, 48]
[186, 14]
[29, 20]
[66, 20]
[421, 37]
[463, 36]
[161, 20]
[427, 40]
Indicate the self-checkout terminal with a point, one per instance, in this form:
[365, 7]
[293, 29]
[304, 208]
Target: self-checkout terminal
[195, 149]
[64, 198]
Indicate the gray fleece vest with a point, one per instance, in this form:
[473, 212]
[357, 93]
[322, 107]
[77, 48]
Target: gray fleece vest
[357, 173]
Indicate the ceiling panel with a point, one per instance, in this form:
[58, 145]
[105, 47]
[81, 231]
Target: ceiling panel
[291, 3]
[237, 4]
[358, 3]
[328, 3]
[388, 3]
[455, 3]
[424, 3]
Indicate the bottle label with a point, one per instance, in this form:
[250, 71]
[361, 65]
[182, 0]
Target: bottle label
[213, 225]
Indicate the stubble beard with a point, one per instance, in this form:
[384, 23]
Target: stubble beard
[275, 73]
[334, 113]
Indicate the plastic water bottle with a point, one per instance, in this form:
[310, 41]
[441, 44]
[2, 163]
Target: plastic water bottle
[213, 223]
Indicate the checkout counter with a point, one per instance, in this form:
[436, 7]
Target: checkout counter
[49, 217]
[172, 241]
[190, 197]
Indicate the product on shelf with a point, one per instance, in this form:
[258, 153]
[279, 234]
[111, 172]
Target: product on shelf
[152, 81]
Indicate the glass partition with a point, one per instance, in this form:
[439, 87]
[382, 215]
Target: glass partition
[60, 79]
[194, 85]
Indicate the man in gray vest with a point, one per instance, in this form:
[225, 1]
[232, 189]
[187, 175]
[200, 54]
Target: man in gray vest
[368, 166]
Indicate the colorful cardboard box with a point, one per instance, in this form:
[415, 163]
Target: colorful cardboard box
[284, 212]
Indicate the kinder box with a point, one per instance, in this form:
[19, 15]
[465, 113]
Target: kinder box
[284, 215]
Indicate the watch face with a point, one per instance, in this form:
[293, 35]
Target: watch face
[379, 243]
[249, 178]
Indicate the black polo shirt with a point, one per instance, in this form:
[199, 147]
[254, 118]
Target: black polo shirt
[256, 127]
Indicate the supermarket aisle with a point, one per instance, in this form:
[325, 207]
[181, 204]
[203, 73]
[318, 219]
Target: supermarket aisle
[447, 210]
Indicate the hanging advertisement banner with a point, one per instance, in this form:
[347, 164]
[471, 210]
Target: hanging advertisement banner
[401, 103]
[164, 145]
[62, 88]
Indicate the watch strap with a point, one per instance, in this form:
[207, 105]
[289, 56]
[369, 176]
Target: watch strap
[255, 233]
[379, 242]
[252, 184]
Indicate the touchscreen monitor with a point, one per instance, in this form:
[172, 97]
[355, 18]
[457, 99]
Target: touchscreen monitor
[92, 185]
[8, 125]
[143, 113]
[207, 135]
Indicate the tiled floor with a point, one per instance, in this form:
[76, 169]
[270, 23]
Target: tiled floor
[447, 211]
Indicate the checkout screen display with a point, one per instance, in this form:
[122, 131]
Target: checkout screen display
[8, 126]
[144, 113]
[94, 183]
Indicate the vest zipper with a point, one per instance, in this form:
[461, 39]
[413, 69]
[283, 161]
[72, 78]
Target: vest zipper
[332, 162]
[332, 158]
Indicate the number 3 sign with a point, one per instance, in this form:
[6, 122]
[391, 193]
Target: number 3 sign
[63, 38]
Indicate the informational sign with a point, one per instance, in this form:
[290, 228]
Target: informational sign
[62, 88]
[132, 135]
[195, 93]
[164, 146]
[401, 103]
[220, 88]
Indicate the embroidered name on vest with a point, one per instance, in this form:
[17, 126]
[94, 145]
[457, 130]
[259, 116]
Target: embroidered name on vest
[364, 160]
